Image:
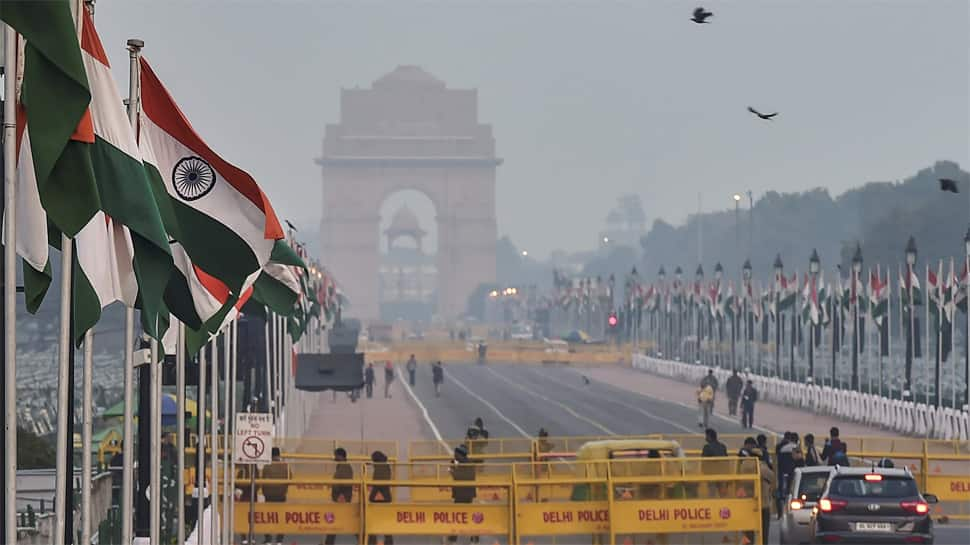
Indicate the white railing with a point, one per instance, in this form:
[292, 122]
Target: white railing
[906, 417]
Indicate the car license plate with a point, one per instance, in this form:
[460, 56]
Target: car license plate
[873, 527]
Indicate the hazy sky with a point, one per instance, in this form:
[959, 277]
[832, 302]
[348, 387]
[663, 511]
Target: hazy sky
[587, 100]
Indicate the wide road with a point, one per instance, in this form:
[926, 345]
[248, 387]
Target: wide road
[518, 400]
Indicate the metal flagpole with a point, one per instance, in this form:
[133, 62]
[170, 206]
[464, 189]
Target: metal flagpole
[266, 334]
[285, 372]
[937, 386]
[234, 346]
[200, 447]
[128, 438]
[155, 487]
[10, 286]
[214, 431]
[226, 491]
[63, 361]
[180, 429]
[86, 407]
[926, 336]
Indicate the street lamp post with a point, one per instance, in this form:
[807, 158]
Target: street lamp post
[911, 254]
[737, 223]
[718, 273]
[635, 312]
[746, 276]
[662, 329]
[814, 264]
[856, 271]
[699, 322]
[678, 334]
[779, 272]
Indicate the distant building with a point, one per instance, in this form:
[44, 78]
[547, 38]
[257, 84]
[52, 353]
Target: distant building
[408, 276]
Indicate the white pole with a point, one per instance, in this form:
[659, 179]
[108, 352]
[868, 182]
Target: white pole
[180, 431]
[200, 447]
[64, 354]
[266, 335]
[226, 492]
[214, 430]
[234, 346]
[926, 336]
[285, 372]
[10, 284]
[155, 486]
[128, 437]
[86, 407]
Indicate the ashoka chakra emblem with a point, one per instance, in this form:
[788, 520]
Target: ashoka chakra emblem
[193, 178]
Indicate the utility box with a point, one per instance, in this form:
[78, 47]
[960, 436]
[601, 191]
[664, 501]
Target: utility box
[319, 372]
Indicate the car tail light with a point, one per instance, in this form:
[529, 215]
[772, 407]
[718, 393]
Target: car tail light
[873, 477]
[917, 507]
[796, 505]
[827, 505]
[913, 539]
[831, 538]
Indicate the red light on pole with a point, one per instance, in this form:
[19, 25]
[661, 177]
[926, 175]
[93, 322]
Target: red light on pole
[612, 320]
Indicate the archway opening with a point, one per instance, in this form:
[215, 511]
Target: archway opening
[408, 275]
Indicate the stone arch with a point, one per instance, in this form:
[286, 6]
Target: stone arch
[409, 132]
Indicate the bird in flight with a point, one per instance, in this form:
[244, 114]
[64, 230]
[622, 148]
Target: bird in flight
[700, 16]
[767, 117]
[947, 184]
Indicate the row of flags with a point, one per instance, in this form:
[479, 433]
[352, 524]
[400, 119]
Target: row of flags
[158, 220]
[820, 302]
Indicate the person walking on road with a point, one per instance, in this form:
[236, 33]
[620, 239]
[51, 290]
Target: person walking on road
[412, 367]
[340, 493]
[462, 470]
[733, 386]
[749, 396]
[811, 452]
[786, 468]
[437, 377]
[380, 493]
[369, 380]
[705, 405]
[710, 380]
[276, 492]
[388, 379]
[835, 452]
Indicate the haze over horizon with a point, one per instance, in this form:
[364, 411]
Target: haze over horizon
[587, 101]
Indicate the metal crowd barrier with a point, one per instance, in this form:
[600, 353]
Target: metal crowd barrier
[666, 500]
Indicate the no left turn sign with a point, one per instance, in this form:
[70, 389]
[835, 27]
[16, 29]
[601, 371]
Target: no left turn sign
[253, 438]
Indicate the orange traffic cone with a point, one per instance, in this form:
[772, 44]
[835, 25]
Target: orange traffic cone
[528, 497]
[495, 496]
[912, 467]
[724, 539]
[937, 469]
[378, 497]
[627, 541]
[745, 540]
[741, 493]
[626, 495]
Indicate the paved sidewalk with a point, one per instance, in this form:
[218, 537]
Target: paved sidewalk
[776, 418]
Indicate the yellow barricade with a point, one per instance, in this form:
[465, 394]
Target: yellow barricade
[299, 516]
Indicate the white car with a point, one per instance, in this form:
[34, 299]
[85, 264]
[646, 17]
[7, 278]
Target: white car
[806, 487]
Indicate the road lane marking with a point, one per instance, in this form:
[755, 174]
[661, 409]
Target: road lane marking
[490, 406]
[423, 409]
[629, 406]
[566, 408]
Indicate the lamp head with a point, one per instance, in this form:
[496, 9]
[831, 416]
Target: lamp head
[813, 262]
[911, 252]
[857, 259]
[779, 266]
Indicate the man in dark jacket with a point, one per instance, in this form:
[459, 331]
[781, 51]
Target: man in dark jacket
[733, 386]
[477, 437]
[749, 396]
[462, 469]
[276, 492]
[369, 380]
[835, 451]
[437, 377]
[811, 452]
[713, 447]
[412, 367]
[340, 493]
[380, 493]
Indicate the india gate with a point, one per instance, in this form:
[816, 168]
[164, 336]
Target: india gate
[409, 131]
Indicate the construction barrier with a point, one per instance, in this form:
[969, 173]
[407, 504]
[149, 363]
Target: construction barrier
[516, 352]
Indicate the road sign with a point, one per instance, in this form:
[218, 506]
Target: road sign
[253, 438]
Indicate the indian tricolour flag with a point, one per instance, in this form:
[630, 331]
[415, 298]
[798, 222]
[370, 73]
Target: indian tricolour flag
[123, 251]
[278, 286]
[219, 215]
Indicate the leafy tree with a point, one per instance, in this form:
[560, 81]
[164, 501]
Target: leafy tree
[34, 452]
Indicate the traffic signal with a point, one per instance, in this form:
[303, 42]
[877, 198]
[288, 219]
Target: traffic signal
[612, 321]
